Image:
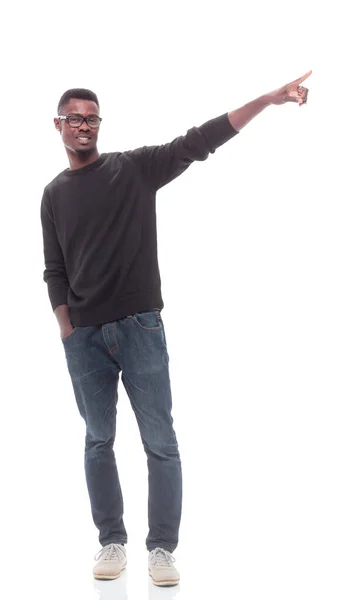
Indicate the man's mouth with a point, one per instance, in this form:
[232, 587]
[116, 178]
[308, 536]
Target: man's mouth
[83, 138]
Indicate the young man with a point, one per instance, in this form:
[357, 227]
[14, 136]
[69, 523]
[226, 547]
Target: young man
[101, 267]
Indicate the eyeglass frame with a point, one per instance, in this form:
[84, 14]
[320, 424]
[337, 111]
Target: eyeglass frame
[84, 119]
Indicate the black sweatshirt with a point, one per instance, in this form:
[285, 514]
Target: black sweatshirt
[99, 226]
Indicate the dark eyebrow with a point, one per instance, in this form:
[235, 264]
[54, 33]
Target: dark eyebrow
[78, 115]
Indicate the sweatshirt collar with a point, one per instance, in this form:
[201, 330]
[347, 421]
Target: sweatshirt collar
[100, 160]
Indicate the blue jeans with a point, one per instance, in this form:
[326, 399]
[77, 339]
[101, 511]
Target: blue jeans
[135, 347]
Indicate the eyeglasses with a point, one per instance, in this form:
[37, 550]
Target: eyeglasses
[92, 121]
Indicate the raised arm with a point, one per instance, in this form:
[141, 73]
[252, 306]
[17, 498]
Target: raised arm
[291, 92]
[162, 164]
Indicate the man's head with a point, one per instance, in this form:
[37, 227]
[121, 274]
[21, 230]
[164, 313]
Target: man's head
[78, 137]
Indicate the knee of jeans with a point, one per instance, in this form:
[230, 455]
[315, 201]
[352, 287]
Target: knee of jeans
[99, 441]
[161, 448]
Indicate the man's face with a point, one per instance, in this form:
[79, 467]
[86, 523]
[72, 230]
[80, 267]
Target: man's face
[83, 138]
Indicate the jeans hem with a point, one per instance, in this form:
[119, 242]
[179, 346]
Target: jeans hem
[115, 541]
[168, 549]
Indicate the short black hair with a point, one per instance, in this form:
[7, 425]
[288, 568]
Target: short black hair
[78, 93]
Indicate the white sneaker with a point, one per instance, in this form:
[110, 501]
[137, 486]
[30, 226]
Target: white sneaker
[112, 560]
[161, 568]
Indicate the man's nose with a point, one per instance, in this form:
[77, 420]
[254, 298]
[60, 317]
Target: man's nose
[84, 126]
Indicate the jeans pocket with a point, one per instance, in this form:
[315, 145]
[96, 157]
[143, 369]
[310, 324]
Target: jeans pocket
[68, 336]
[150, 321]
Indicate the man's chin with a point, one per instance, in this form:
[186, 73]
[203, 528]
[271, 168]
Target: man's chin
[84, 150]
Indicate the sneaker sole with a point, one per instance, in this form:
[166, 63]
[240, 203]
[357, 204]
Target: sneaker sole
[109, 576]
[164, 583]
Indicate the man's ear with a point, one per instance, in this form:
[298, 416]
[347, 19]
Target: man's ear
[57, 124]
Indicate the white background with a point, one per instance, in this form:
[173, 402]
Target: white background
[258, 257]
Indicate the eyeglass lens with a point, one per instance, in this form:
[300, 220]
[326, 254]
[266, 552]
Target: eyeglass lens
[76, 121]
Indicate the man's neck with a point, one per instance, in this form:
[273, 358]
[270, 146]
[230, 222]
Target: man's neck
[79, 160]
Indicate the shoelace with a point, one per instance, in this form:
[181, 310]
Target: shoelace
[110, 552]
[162, 557]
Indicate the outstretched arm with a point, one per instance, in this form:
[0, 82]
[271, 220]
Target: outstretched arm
[291, 92]
[162, 164]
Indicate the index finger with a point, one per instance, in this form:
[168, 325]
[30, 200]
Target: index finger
[304, 77]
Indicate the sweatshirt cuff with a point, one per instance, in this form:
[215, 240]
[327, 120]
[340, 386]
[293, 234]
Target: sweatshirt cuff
[218, 131]
[58, 296]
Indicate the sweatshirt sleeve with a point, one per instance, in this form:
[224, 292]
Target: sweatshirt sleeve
[162, 164]
[55, 271]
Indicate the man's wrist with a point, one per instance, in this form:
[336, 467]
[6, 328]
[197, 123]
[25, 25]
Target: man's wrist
[240, 117]
[266, 100]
